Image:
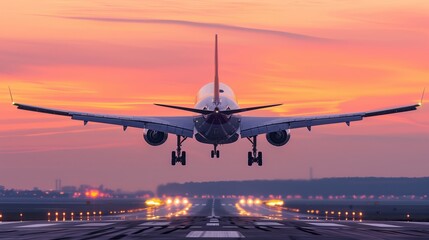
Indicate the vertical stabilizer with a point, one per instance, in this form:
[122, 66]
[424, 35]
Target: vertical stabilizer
[216, 99]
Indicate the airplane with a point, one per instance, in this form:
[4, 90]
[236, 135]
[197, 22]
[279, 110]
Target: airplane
[218, 121]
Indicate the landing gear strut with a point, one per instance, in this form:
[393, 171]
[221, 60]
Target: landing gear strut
[254, 155]
[179, 155]
[215, 152]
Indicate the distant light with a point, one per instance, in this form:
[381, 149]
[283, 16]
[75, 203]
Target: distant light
[169, 201]
[185, 201]
[153, 202]
[360, 214]
[242, 201]
[176, 201]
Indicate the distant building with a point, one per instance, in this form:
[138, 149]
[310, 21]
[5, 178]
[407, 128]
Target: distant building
[69, 189]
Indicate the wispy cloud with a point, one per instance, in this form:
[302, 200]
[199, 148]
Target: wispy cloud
[290, 35]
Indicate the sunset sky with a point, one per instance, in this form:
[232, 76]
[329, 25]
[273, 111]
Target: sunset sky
[120, 57]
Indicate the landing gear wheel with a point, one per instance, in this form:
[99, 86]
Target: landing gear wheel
[259, 159]
[173, 158]
[183, 158]
[215, 153]
[249, 159]
[179, 155]
[254, 155]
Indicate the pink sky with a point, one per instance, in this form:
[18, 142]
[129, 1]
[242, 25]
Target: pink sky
[119, 57]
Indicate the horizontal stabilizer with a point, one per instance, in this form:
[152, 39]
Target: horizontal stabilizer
[240, 110]
[226, 112]
[194, 110]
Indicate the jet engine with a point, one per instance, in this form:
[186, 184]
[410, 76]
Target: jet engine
[279, 138]
[155, 138]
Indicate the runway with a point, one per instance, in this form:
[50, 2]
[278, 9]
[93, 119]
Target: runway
[212, 218]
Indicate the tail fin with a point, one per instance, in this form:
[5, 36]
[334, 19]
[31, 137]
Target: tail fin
[216, 99]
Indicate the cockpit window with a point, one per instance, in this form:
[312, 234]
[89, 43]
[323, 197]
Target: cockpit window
[221, 90]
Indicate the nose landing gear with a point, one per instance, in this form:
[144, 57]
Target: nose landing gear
[179, 156]
[254, 155]
[215, 152]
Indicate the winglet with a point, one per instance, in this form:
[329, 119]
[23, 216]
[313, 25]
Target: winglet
[423, 95]
[11, 96]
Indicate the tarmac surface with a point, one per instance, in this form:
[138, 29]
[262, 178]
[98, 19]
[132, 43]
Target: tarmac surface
[212, 219]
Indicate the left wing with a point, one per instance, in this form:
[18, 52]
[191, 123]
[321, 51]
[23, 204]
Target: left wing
[183, 126]
[253, 126]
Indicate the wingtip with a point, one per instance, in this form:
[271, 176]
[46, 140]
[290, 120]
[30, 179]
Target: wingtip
[421, 99]
[11, 96]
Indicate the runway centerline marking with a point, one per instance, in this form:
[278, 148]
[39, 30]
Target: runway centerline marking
[211, 224]
[382, 225]
[38, 225]
[326, 224]
[215, 234]
[213, 211]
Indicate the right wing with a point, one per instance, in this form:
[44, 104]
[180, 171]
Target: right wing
[183, 126]
[253, 126]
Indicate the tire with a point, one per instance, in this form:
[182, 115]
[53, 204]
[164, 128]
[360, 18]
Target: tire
[259, 158]
[217, 154]
[249, 159]
[173, 158]
[183, 158]
[212, 154]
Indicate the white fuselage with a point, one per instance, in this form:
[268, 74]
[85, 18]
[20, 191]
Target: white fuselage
[216, 128]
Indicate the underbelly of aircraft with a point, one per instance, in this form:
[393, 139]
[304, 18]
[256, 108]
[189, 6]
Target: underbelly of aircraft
[218, 131]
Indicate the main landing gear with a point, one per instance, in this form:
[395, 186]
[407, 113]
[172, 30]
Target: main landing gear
[254, 155]
[215, 152]
[179, 156]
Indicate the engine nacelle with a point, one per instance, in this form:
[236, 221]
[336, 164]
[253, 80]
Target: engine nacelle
[279, 138]
[155, 138]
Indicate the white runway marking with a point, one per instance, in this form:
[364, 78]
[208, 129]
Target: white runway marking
[213, 211]
[223, 204]
[382, 225]
[229, 204]
[38, 225]
[212, 224]
[197, 204]
[93, 224]
[215, 234]
[152, 224]
[423, 223]
[203, 204]
[325, 224]
[268, 224]
[214, 220]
